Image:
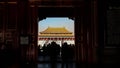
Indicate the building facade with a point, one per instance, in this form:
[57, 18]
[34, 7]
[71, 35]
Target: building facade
[57, 34]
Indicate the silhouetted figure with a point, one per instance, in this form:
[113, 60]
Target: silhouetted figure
[71, 55]
[39, 50]
[66, 54]
[54, 51]
[45, 51]
[71, 52]
[44, 48]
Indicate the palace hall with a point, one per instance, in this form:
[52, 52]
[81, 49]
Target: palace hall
[58, 34]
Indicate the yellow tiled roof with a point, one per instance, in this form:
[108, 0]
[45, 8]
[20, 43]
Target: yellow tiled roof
[55, 30]
[55, 35]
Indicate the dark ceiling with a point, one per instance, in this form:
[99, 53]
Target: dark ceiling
[56, 12]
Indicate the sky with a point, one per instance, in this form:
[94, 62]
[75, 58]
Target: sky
[56, 22]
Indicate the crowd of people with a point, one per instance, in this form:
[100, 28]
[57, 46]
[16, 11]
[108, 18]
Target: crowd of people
[54, 50]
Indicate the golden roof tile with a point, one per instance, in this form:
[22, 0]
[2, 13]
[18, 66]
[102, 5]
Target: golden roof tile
[56, 32]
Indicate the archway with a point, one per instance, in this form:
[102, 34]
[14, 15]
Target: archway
[59, 29]
[85, 30]
[56, 12]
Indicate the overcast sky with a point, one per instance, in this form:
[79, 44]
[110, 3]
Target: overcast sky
[56, 22]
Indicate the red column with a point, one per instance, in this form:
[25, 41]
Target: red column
[33, 29]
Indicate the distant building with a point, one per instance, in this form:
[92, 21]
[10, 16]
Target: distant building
[57, 34]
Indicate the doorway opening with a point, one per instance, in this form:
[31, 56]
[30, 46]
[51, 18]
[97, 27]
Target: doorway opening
[56, 42]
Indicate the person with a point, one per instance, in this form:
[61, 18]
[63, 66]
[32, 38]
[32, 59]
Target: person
[54, 51]
[65, 54]
[39, 49]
